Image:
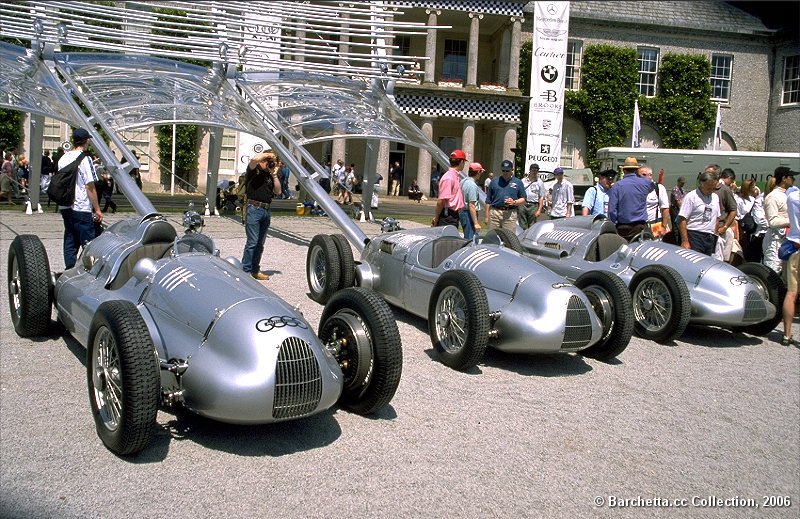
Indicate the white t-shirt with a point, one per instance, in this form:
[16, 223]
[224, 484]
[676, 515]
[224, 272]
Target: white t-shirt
[700, 211]
[655, 201]
[86, 174]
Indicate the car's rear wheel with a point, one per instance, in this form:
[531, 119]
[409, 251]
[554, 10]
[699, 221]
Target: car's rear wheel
[612, 304]
[661, 303]
[458, 319]
[359, 326]
[322, 268]
[774, 289]
[347, 267]
[509, 240]
[30, 295]
[123, 377]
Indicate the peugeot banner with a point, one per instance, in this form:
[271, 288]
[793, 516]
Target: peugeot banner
[548, 67]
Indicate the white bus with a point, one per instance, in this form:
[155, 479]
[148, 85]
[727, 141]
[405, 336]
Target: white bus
[758, 165]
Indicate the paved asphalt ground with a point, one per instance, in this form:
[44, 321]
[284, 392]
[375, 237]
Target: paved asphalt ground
[710, 421]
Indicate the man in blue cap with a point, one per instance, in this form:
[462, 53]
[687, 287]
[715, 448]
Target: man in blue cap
[80, 217]
[505, 194]
[563, 196]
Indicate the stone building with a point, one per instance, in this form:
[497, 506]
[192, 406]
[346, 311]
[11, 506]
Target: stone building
[465, 94]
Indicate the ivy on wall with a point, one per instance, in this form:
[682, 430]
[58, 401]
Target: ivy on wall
[186, 151]
[11, 133]
[682, 109]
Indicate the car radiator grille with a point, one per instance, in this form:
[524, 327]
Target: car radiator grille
[298, 383]
[755, 309]
[578, 331]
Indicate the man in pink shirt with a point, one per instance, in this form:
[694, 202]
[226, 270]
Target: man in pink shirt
[451, 200]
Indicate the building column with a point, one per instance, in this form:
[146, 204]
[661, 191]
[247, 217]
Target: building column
[424, 162]
[468, 140]
[344, 39]
[505, 57]
[510, 141]
[513, 71]
[472, 49]
[430, 46]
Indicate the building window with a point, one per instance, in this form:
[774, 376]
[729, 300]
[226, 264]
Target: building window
[572, 80]
[138, 141]
[721, 77]
[51, 140]
[227, 154]
[403, 44]
[648, 70]
[791, 80]
[567, 154]
[455, 60]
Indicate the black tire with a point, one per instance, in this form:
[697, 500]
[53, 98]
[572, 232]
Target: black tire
[347, 265]
[661, 303]
[509, 240]
[612, 303]
[369, 348]
[30, 296]
[773, 286]
[123, 377]
[322, 268]
[458, 319]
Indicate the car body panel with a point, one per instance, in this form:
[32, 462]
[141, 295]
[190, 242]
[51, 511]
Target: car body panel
[720, 293]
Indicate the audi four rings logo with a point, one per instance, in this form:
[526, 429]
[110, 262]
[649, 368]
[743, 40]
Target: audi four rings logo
[279, 321]
[739, 280]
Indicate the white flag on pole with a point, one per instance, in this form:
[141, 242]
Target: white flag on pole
[718, 130]
[637, 125]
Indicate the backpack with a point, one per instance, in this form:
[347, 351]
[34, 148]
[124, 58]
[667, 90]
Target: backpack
[748, 223]
[62, 185]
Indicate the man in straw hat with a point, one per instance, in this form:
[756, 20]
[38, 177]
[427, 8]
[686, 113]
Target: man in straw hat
[627, 202]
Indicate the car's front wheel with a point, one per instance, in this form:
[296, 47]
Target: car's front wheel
[458, 319]
[661, 303]
[612, 304]
[29, 292]
[360, 328]
[774, 290]
[123, 377]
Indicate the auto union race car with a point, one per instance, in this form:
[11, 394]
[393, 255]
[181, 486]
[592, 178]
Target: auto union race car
[165, 320]
[474, 295]
[671, 286]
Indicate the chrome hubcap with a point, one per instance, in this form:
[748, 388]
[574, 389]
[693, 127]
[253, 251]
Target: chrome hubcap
[107, 379]
[451, 319]
[652, 304]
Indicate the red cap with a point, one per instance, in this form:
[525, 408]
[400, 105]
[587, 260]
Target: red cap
[476, 166]
[458, 154]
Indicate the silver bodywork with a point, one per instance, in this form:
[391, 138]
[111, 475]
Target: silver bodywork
[720, 294]
[537, 310]
[223, 356]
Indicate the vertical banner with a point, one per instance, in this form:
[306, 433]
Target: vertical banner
[548, 67]
[717, 131]
[262, 37]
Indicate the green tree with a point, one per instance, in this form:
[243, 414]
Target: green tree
[682, 108]
[11, 133]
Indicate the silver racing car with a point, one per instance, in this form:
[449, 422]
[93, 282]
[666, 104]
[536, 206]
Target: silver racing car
[671, 286]
[475, 295]
[165, 320]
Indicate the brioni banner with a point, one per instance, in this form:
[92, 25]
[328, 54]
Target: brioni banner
[548, 67]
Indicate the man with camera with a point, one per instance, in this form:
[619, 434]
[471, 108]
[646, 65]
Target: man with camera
[262, 185]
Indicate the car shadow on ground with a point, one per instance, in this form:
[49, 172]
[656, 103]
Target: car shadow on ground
[277, 439]
[544, 365]
[712, 337]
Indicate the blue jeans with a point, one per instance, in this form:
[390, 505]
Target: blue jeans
[256, 228]
[466, 223]
[78, 231]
